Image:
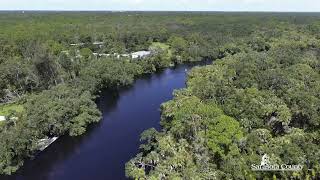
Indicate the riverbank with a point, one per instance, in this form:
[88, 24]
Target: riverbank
[108, 145]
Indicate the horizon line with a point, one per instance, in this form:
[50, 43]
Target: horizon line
[100, 10]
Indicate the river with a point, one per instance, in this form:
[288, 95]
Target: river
[101, 153]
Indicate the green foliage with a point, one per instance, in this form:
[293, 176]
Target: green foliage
[222, 133]
[189, 125]
[85, 52]
[12, 158]
[254, 108]
[107, 73]
[6, 110]
[60, 110]
[261, 97]
[162, 57]
[55, 47]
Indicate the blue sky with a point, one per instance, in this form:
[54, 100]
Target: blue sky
[164, 5]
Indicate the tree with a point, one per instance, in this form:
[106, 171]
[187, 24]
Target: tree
[61, 110]
[85, 52]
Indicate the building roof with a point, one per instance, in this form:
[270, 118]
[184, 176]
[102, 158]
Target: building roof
[2, 118]
[140, 54]
[77, 44]
[98, 43]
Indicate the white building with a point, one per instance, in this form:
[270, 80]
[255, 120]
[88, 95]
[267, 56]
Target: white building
[2, 118]
[98, 43]
[77, 44]
[140, 54]
[134, 55]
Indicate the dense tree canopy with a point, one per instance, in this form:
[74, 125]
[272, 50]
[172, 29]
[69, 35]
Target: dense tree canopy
[260, 97]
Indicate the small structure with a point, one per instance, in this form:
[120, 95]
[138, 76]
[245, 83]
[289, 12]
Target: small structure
[78, 44]
[65, 52]
[98, 43]
[125, 55]
[140, 54]
[116, 55]
[101, 54]
[2, 118]
[134, 55]
[46, 142]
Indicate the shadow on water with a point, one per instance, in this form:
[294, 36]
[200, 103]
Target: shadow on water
[101, 153]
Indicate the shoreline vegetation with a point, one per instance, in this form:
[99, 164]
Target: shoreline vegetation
[261, 96]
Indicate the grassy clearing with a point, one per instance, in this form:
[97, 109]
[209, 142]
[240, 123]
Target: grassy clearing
[164, 47]
[160, 45]
[6, 109]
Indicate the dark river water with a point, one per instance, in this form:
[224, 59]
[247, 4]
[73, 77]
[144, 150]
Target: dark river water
[101, 153]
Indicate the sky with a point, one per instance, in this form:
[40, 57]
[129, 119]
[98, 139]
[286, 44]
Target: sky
[164, 5]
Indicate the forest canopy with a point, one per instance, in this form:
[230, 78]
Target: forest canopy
[260, 95]
[261, 98]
